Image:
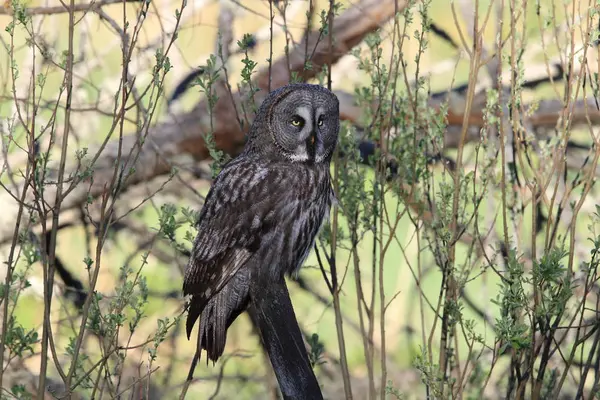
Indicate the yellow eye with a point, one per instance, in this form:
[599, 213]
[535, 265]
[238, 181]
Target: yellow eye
[297, 121]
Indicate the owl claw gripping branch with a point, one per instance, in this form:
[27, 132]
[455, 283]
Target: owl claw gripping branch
[264, 209]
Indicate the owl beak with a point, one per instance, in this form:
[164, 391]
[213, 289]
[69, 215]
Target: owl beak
[310, 145]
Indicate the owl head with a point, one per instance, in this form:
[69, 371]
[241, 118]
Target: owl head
[299, 122]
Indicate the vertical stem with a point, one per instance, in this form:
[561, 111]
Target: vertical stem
[448, 274]
[381, 177]
[374, 204]
[29, 173]
[381, 174]
[367, 347]
[49, 278]
[330, 55]
[308, 30]
[270, 42]
[336, 290]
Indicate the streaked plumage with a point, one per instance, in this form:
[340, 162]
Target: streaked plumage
[264, 209]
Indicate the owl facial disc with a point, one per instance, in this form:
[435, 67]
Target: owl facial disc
[302, 123]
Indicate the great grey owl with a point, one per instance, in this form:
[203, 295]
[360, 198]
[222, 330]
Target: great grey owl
[264, 209]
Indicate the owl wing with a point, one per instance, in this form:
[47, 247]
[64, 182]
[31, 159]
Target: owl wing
[233, 220]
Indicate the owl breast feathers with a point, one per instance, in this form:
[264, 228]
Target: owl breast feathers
[264, 209]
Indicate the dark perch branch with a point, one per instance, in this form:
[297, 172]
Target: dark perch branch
[272, 310]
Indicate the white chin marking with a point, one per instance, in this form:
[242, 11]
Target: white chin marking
[299, 155]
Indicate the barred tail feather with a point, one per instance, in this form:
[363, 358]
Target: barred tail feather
[212, 332]
[218, 314]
